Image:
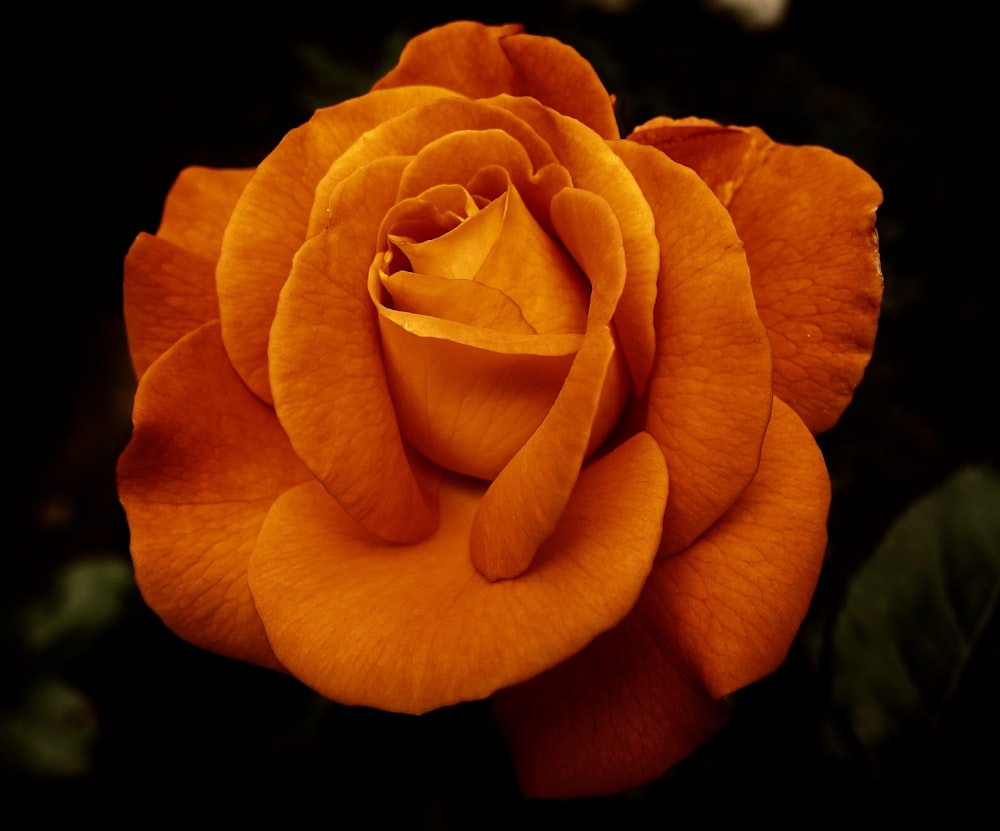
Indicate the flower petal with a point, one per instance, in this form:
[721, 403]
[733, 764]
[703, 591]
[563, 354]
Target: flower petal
[710, 620]
[594, 167]
[611, 718]
[198, 207]
[524, 503]
[710, 393]
[807, 218]
[269, 223]
[327, 375]
[206, 461]
[168, 291]
[482, 61]
[734, 600]
[364, 622]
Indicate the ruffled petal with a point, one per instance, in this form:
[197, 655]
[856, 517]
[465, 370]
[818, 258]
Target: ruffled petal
[269, 223]
[482, 61]
[205, 463]
[364, 622]
[807, 218]
[327, 373]
[168, 292]
[198, 207]
[710, 394]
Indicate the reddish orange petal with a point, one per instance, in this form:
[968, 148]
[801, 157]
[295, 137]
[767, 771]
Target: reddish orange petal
[611, 718]
[807, 218]
[269, 223]
[710, 394]
[198, 208]
[327, 373]
[364, 622]
[733, 601]
[206, 461]
[168, 292]
[482, 61]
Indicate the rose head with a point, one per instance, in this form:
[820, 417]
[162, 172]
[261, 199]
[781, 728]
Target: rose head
[461, 395]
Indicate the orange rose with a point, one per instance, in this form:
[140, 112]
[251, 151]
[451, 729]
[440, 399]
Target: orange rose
[411, 394]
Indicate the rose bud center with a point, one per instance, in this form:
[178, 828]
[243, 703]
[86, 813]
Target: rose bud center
[481, 315]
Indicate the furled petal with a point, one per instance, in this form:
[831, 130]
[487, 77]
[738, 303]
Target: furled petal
[525, 501]
[710, 393]
[807, 218]
[482, 61]
[206, 461]
[168, 291]
[513, 254]
[327, 375]
[596, 168]
[269, 223]
[198, 207]
[363, 622]
[710, 620]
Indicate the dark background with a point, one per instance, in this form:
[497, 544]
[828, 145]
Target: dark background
[103, 710]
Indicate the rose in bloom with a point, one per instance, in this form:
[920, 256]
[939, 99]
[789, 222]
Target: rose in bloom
[460, 395]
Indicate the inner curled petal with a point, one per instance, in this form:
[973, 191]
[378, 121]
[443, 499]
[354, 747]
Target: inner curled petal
[450, 234]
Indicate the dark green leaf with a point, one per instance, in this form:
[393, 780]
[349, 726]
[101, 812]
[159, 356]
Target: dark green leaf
[915, 646]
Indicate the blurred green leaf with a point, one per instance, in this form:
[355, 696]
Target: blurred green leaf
[49, 732]
[85, 598]
[918, 632]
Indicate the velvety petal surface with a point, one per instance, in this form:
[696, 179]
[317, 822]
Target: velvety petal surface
[365, 622]
[732, 602]
[206, 461]
[327, 372]
[710, 393]
[269, 223]
[168, 292]
[482, 61]
[710, 620]
[198, 207]
[807, 218]
[609, 719]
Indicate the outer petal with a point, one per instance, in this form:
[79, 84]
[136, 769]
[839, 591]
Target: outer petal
[611, 718]
[734, 600]
[483, 61]
[269, 222]
[168, 292]
[710, 393]
[329, 383]
[205, 463]
[807, 218]
[365, 623]
[710, 620]
[198, 208]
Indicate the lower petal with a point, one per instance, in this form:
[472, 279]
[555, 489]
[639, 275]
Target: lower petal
[416, 627]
